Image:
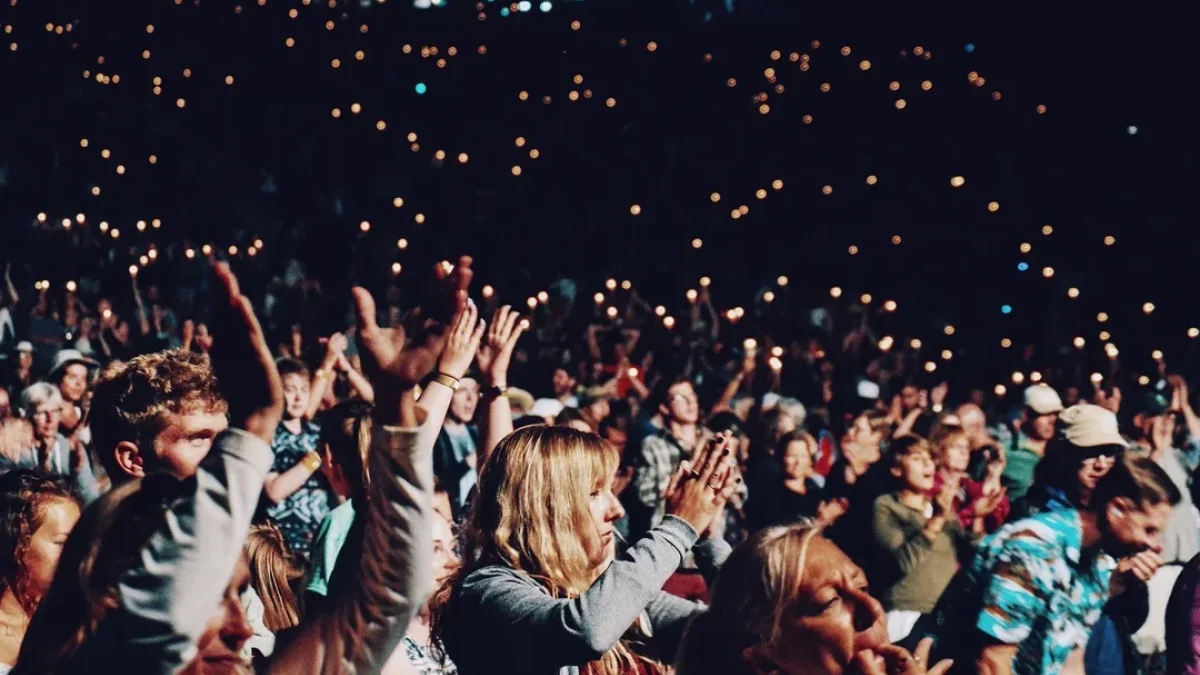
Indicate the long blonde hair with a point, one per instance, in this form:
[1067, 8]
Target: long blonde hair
[758, 584]
[531, 514]
[273, 571]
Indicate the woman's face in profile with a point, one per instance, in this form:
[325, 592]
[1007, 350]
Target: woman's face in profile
[833, 618]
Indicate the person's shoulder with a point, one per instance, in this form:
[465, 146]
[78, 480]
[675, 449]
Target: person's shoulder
[490, 583]
[1045, 535]
[887, 501]
[488, 574]
[339, 517]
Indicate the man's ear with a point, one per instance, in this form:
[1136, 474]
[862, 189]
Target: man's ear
[129, 458]
[758, 662]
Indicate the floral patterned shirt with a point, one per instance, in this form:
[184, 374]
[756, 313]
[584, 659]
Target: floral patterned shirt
[1030, 585]
[424, 661]
[300, 513]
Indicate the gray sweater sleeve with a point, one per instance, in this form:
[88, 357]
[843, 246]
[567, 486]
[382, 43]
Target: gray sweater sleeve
[185, 567]
[505, 612]
[393, 577]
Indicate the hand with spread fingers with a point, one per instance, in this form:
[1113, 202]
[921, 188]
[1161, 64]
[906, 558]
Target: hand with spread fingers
[700, 488]
[462, 341]
[495, 353]
[394, 364]
[241, 360]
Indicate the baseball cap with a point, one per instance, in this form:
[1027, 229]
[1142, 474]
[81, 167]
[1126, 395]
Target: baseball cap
[1087, 426]
[546, 407]
[520, 400]
[593, 394]
[67, 357]
[1043, 400]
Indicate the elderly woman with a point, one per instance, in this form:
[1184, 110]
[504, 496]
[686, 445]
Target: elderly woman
[41, 404]
[789, 602]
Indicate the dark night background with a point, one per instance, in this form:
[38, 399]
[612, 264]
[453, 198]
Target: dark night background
[677, 134]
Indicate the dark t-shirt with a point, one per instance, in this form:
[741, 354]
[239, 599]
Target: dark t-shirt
[851, 531]
[777, 505]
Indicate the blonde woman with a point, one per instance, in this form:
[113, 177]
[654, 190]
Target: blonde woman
[789, 602]
[270, 601]
[542, 589]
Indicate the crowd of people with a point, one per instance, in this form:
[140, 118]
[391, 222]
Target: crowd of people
[186, 489]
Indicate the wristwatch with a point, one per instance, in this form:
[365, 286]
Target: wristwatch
[495, 391]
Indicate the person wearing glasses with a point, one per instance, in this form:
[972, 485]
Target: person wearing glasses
[1044, 594]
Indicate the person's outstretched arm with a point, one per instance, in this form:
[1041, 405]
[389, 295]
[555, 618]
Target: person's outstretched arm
[167, 600]
[366, 619]
[494, 357]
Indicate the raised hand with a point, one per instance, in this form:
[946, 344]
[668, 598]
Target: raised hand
[335, 348]
[1180, 389]
[943, 503]
[245, 369]
[699, 490]
[829, 511]
[987, 504]
[495, 353]
[393, 365]
[462, 342]
[337, 344]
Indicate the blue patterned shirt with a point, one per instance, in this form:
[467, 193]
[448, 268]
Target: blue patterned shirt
[1030, 585]
[300, 513]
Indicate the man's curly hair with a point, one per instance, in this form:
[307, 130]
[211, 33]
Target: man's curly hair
[132, 400]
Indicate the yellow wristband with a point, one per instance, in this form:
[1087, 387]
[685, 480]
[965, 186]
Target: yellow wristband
[446, 381]
[312, 461]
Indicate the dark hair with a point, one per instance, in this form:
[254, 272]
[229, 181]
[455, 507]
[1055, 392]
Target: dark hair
[528, 421]
[658, 395]
[568, 415]
[1059, 468]
[106, 543]
[797, 436]
[1138, 479]
[726, 421]
[908, 444]
[24, 495]
[346, 431]
[289, 366]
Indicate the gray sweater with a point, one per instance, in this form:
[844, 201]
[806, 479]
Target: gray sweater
[167, 600]
[507, 623]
